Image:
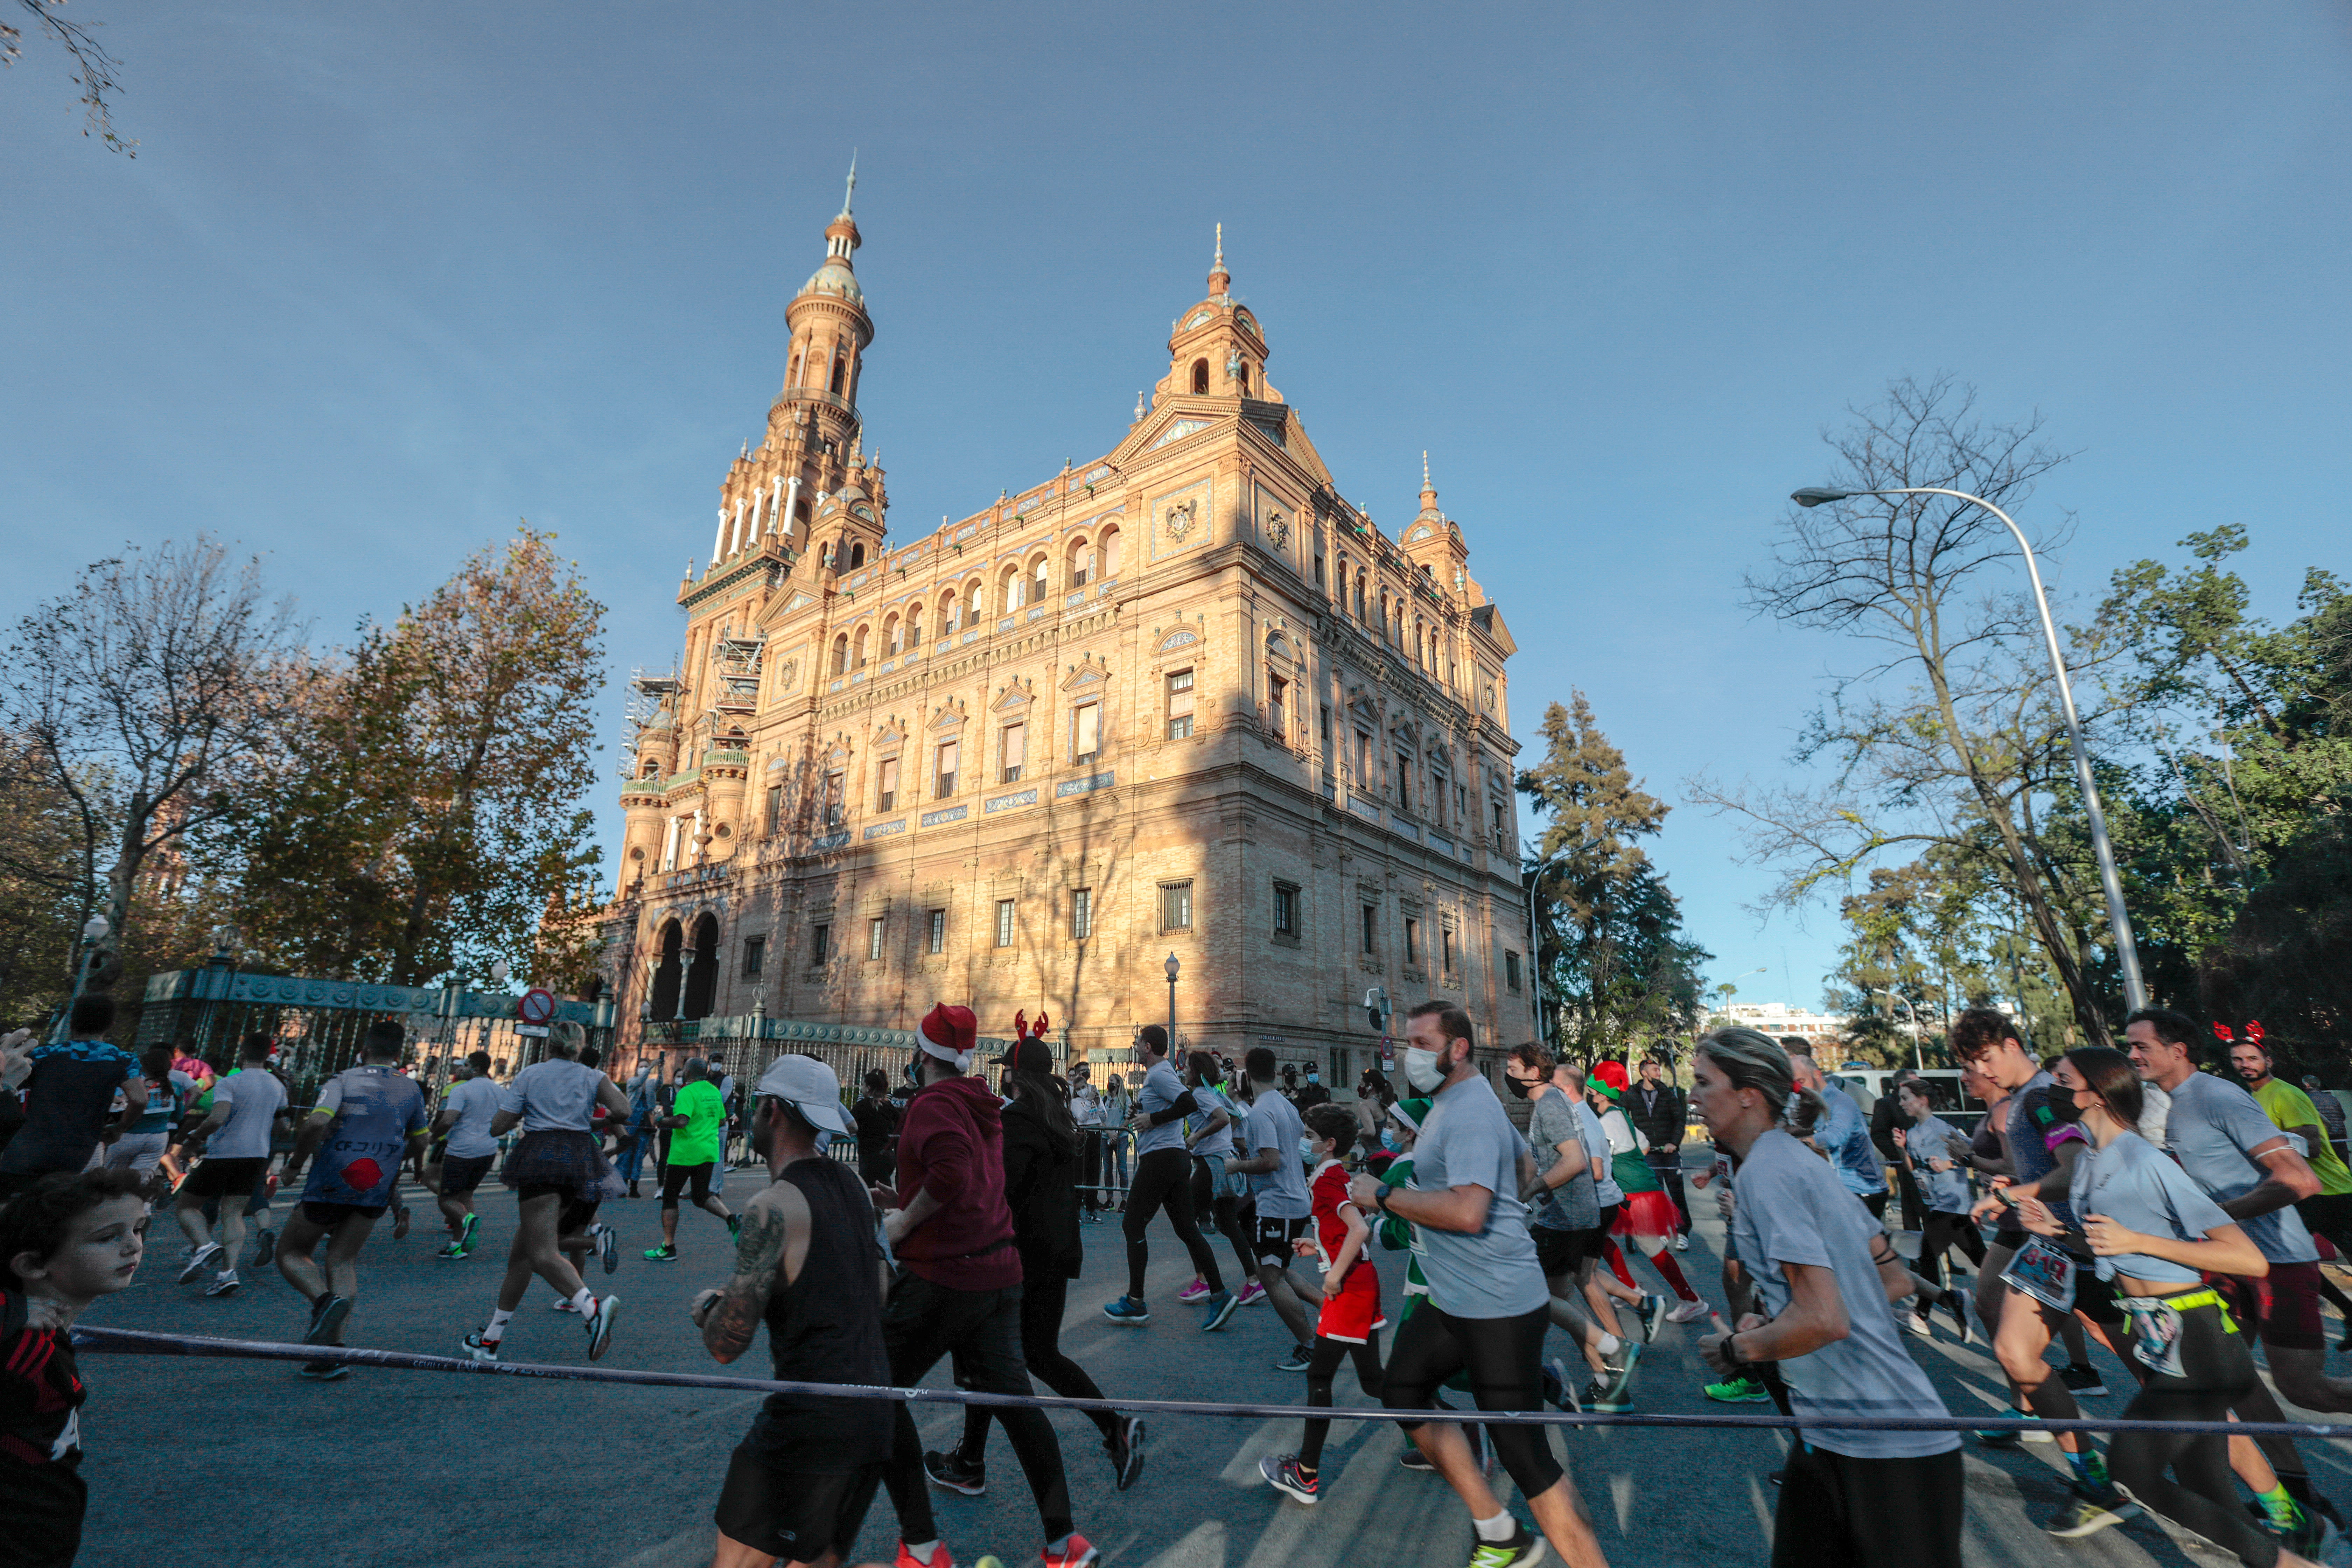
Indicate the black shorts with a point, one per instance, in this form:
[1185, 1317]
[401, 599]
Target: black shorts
[461, 1174]
[329, 1215]
[577, 1215]
[215, 1177]
[796, 1517]
[2330, 1215]
[1271, 1238]
[675, 1177]
[1838, 1510]
[1559, 1251]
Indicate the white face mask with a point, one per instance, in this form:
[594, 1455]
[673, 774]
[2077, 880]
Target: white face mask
[1421, 1071]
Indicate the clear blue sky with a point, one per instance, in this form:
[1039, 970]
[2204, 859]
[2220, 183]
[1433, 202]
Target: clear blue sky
[383, 279]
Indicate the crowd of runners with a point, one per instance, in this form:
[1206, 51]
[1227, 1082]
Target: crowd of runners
[1422, 1240]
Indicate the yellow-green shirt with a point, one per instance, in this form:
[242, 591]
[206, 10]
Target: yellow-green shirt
[2289, 1107]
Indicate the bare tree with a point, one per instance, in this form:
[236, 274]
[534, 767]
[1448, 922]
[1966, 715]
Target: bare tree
[149, 700]
[94, 68]
[1950, 740]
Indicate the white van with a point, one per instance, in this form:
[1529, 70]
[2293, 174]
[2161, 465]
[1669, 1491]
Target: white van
[1953, 1103]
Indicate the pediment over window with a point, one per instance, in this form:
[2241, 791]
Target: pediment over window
[1015, 697]
[1182, 636]
[948, 718]
[1085, 674]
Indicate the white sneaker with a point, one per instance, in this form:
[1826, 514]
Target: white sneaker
[1682, 1244]
[563, 1304]
[198, 1259]
[1688, 1312]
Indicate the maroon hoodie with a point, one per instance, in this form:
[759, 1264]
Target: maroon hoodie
[952, 1146]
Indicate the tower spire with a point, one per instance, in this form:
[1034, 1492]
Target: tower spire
[1428, 491]
[852, 190]
[1221, 282]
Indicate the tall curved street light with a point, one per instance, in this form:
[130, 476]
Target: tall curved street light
[2111, 884]
[1918, 1053]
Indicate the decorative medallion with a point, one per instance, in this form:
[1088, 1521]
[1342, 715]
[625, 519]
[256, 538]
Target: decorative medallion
[1178, 519]
[1277, 529]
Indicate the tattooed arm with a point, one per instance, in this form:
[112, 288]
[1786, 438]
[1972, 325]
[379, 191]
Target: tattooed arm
[767, 1257]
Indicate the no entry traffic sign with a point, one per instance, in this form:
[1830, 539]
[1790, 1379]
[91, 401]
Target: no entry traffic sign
[537, 1006]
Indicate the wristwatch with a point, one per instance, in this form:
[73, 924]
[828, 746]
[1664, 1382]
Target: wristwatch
[1381, 1196]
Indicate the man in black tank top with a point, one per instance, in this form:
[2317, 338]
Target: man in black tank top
[810, 1266]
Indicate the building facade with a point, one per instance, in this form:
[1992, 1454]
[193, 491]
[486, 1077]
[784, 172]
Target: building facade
[1182, 699]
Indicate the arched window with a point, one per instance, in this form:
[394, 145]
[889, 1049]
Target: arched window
[801, 513]
[653, 767]
[840, 376]
[1082, 562]
[858, 553]
[971, 592]
[914, 626]
[665, 975]
[702, 981]
[841, 654]
[894, 636]
[857, 650]
[951, 614]
[1040, 579]
[1199, 378]
[1241, 380]
[1008, 590]
[793, 376]
[1360, 596]
[1107, 553]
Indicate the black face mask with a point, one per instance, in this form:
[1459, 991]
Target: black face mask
[1519, 1090]
[2062, 1109]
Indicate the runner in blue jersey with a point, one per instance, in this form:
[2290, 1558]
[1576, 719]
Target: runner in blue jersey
[369, 1119]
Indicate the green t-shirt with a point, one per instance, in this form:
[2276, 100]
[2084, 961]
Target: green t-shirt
[697, 1142]
[2288, 1106]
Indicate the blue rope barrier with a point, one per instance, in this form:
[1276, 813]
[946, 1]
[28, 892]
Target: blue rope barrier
[137, 1342]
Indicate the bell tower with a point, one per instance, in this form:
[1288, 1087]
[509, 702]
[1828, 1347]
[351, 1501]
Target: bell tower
[1217, 349]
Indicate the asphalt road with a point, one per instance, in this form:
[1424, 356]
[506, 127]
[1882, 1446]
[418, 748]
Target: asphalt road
[208, 1464]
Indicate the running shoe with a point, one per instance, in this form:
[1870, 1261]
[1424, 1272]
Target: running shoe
[1682, 1244]
[1613, 1392]
[599, 1325]
[1688, 1312]
[450, 1249]
[662, 1254]
[1282, 1473]
[1251, 1294]
[2081, 1380]
[1956, 1301]
[1413, 1459]
[941, 1557]
[327, 1315]
[562, 1304]
[1555, 1383]
[1299, 1359]
[1521, 1550]
[608, 1246]
[1194, 1293]
[1652, 1312]
[2011, 1437]
[323, 1371]
[400, 1219]
[2089, 1512]
[1916, 1321]
[466, 1237]
[226, 1284]
[265, 1246]
[1076, 1552]
[1133, 1313]
[735, 1227]
[952, 1470]
[2311, 1535]
[1125, 1445]
[476, 1348]
[197, 1259]
[1740, 1389]
[1221, 1308]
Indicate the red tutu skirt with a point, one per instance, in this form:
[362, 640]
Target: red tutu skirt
[1647, 1216]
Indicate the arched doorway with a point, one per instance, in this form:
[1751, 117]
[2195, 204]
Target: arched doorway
[666, 975]
[702, 980]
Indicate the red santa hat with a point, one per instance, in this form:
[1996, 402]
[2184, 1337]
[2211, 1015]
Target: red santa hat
[949, 1034]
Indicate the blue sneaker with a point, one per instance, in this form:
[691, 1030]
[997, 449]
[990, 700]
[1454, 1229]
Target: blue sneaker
[1127, 1310]
[1222, 1307]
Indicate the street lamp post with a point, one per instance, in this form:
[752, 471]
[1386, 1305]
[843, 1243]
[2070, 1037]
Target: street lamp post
[2110, 882]
[1171, 966]
[93, 932]
[1918, 1055]
[1534, 947]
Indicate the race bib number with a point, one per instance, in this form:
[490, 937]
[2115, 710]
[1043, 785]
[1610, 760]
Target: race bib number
[2156, 1332]
[2045, 1273]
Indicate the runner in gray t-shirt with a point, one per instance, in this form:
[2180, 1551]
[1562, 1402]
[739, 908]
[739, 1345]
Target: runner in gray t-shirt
[1488, 1309]
[1268, 1156]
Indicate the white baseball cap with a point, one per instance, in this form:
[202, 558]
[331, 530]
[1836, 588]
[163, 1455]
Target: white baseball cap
[809, 1087]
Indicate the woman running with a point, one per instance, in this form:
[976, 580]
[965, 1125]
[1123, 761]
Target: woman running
[1647, 1219]
[1209, 1134]
[1824, 1275]
[1937, 1157]
[556, 1164]
[1041, 1176]
[2158, 1237]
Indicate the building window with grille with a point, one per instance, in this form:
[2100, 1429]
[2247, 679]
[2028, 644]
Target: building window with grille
[1412, 940]
[1086, 731]
[1364, 781]
[1502, 829]
[874, 937]
[1404, 781]
[755, 956]
[1004, 922]
[1013, 751]
[774, 818]
[1277, 707]
[1286, 910]
[1511, 969]
[1372, 935]
[1082, 913]
[1175, 906]
[1179, 704]
[885, 786]
[947, 769]
[821, 942]
[937, 940]
[1445, 949]
[835, 784]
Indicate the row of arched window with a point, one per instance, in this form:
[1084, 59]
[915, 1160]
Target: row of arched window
[1376, 608]
[1085, 559]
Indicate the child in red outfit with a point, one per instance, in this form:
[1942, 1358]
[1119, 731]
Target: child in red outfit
[1350, 1324]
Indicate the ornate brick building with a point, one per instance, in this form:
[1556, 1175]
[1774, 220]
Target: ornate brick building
[1185, 698]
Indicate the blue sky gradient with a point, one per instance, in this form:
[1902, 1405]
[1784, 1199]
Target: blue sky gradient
[384, 279]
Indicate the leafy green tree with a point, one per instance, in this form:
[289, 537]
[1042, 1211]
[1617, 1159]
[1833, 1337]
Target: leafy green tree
[1612, 954]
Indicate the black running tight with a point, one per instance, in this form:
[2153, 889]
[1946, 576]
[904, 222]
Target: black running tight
[1165, 1176]
[2217, 1370]
[1320, 1369]
[1943, 1232]
[1042, 1302]
[1225, 1212]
